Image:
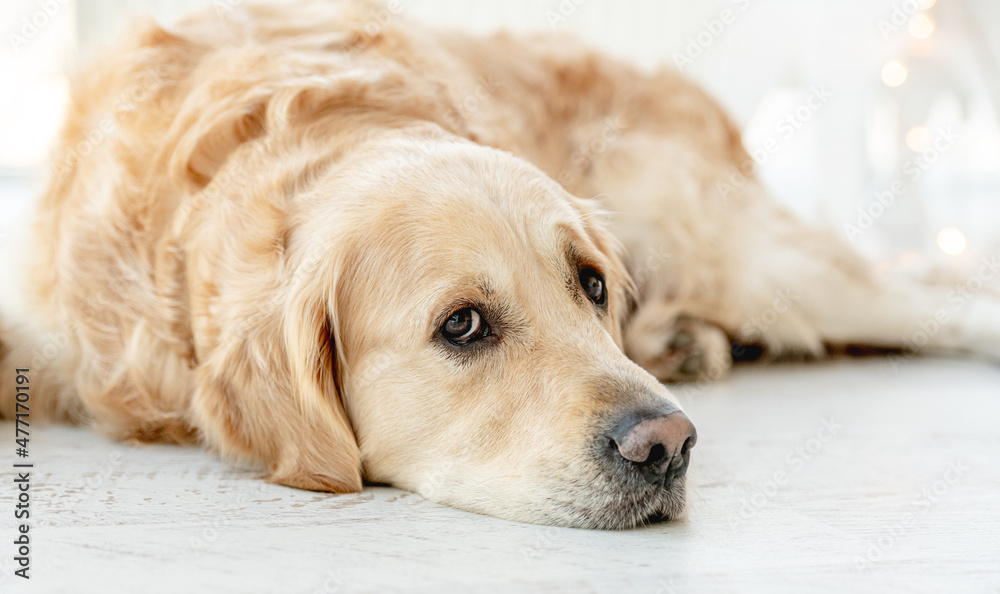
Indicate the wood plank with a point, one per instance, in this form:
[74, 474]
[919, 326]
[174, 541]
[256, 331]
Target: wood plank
[108, 517]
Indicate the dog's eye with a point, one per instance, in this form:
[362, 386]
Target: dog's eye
[593, 285]
[465, 326]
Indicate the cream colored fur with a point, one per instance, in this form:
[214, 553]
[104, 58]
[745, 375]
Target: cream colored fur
[256, 221]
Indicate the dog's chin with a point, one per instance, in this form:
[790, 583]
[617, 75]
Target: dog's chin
[615, 508]
[641, 508]
[604, 502]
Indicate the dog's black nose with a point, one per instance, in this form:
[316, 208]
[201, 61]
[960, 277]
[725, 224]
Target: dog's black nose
[658, 445]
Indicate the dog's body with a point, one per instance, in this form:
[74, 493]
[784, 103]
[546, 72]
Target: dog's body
[259, 224]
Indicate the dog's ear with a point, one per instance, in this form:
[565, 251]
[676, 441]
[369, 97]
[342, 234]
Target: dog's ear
[328, 457]
[267, 389]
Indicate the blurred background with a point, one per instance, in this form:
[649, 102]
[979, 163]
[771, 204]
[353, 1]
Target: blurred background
[875, 118]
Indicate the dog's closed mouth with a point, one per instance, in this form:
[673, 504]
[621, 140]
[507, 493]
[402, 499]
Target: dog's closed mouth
[639, 506]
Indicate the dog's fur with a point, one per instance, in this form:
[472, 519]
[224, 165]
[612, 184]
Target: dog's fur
[258, 221]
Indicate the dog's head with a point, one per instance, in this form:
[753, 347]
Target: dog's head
[438, 316]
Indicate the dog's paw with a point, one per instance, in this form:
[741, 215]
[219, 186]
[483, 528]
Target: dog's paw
[684, 350]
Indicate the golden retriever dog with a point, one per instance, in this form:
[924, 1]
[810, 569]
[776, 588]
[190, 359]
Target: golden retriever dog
[347, 248]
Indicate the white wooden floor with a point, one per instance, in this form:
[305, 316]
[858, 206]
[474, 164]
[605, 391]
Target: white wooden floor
[868, 503]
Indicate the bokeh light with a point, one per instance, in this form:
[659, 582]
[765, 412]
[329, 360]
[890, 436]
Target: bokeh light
[921, 26]
[951, 241]
[919, 139]
[893, 74]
